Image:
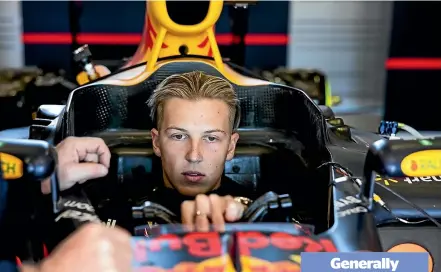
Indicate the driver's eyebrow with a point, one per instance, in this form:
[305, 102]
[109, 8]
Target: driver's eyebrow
[215, 130]
[176, 128]
[205, 132]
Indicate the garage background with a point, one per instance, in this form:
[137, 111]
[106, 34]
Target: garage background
[113, 30]
[349, 41]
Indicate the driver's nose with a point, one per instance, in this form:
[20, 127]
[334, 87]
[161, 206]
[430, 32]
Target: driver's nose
[194, 154]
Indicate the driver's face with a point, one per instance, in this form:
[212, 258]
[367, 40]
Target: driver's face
[194, 142]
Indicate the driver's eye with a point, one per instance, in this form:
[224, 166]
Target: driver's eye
[178, 137]
[211, 139]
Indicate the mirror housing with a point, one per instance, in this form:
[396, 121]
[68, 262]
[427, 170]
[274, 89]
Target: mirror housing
[401, 158]
[29, 160]
[33, 160]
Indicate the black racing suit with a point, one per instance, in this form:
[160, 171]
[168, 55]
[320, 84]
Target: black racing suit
[121, 211]
[172, 199]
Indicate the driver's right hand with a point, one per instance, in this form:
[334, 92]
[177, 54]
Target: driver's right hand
[79, 159]
[91, 248]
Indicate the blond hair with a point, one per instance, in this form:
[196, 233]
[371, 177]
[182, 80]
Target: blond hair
[194, 86]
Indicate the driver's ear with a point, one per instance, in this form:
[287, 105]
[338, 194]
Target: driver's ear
[155, 142]
[232, 145]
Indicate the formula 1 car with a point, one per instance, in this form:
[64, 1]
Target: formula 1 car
[349, 225]
[314, 171]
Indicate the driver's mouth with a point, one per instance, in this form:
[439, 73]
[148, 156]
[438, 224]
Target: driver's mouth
[193, 176]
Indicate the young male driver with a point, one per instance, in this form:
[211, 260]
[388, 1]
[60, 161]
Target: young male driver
[195, 134]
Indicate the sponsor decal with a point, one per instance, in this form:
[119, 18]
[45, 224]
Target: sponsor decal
[422, 163]
[79, 205]
[174, 251]
[84, 217]
[253, 247]
[422, 179]
[12, 167]
[351, 211]
[77, 215]
[249, 242]
[199, 245]
[409, 180]
[346, 201]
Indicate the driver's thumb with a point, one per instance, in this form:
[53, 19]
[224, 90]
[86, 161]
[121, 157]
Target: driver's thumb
[234, 211]
[80, 172]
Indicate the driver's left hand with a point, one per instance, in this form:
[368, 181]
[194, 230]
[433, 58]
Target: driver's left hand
[80, 159]
[213, 209]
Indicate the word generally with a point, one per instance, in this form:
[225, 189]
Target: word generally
[384, 264]
[210, 244]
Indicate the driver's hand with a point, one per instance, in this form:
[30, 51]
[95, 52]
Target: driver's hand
[92, 248]
[209, 210]
[79, 159]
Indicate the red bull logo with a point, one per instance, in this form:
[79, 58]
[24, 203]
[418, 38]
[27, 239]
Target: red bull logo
[422, 163]
[200, 252]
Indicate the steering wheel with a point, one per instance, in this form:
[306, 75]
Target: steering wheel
[76, 210]
[256, 212]
[151, 210]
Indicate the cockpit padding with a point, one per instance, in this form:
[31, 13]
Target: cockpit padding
[103, 107]
[138, 170]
